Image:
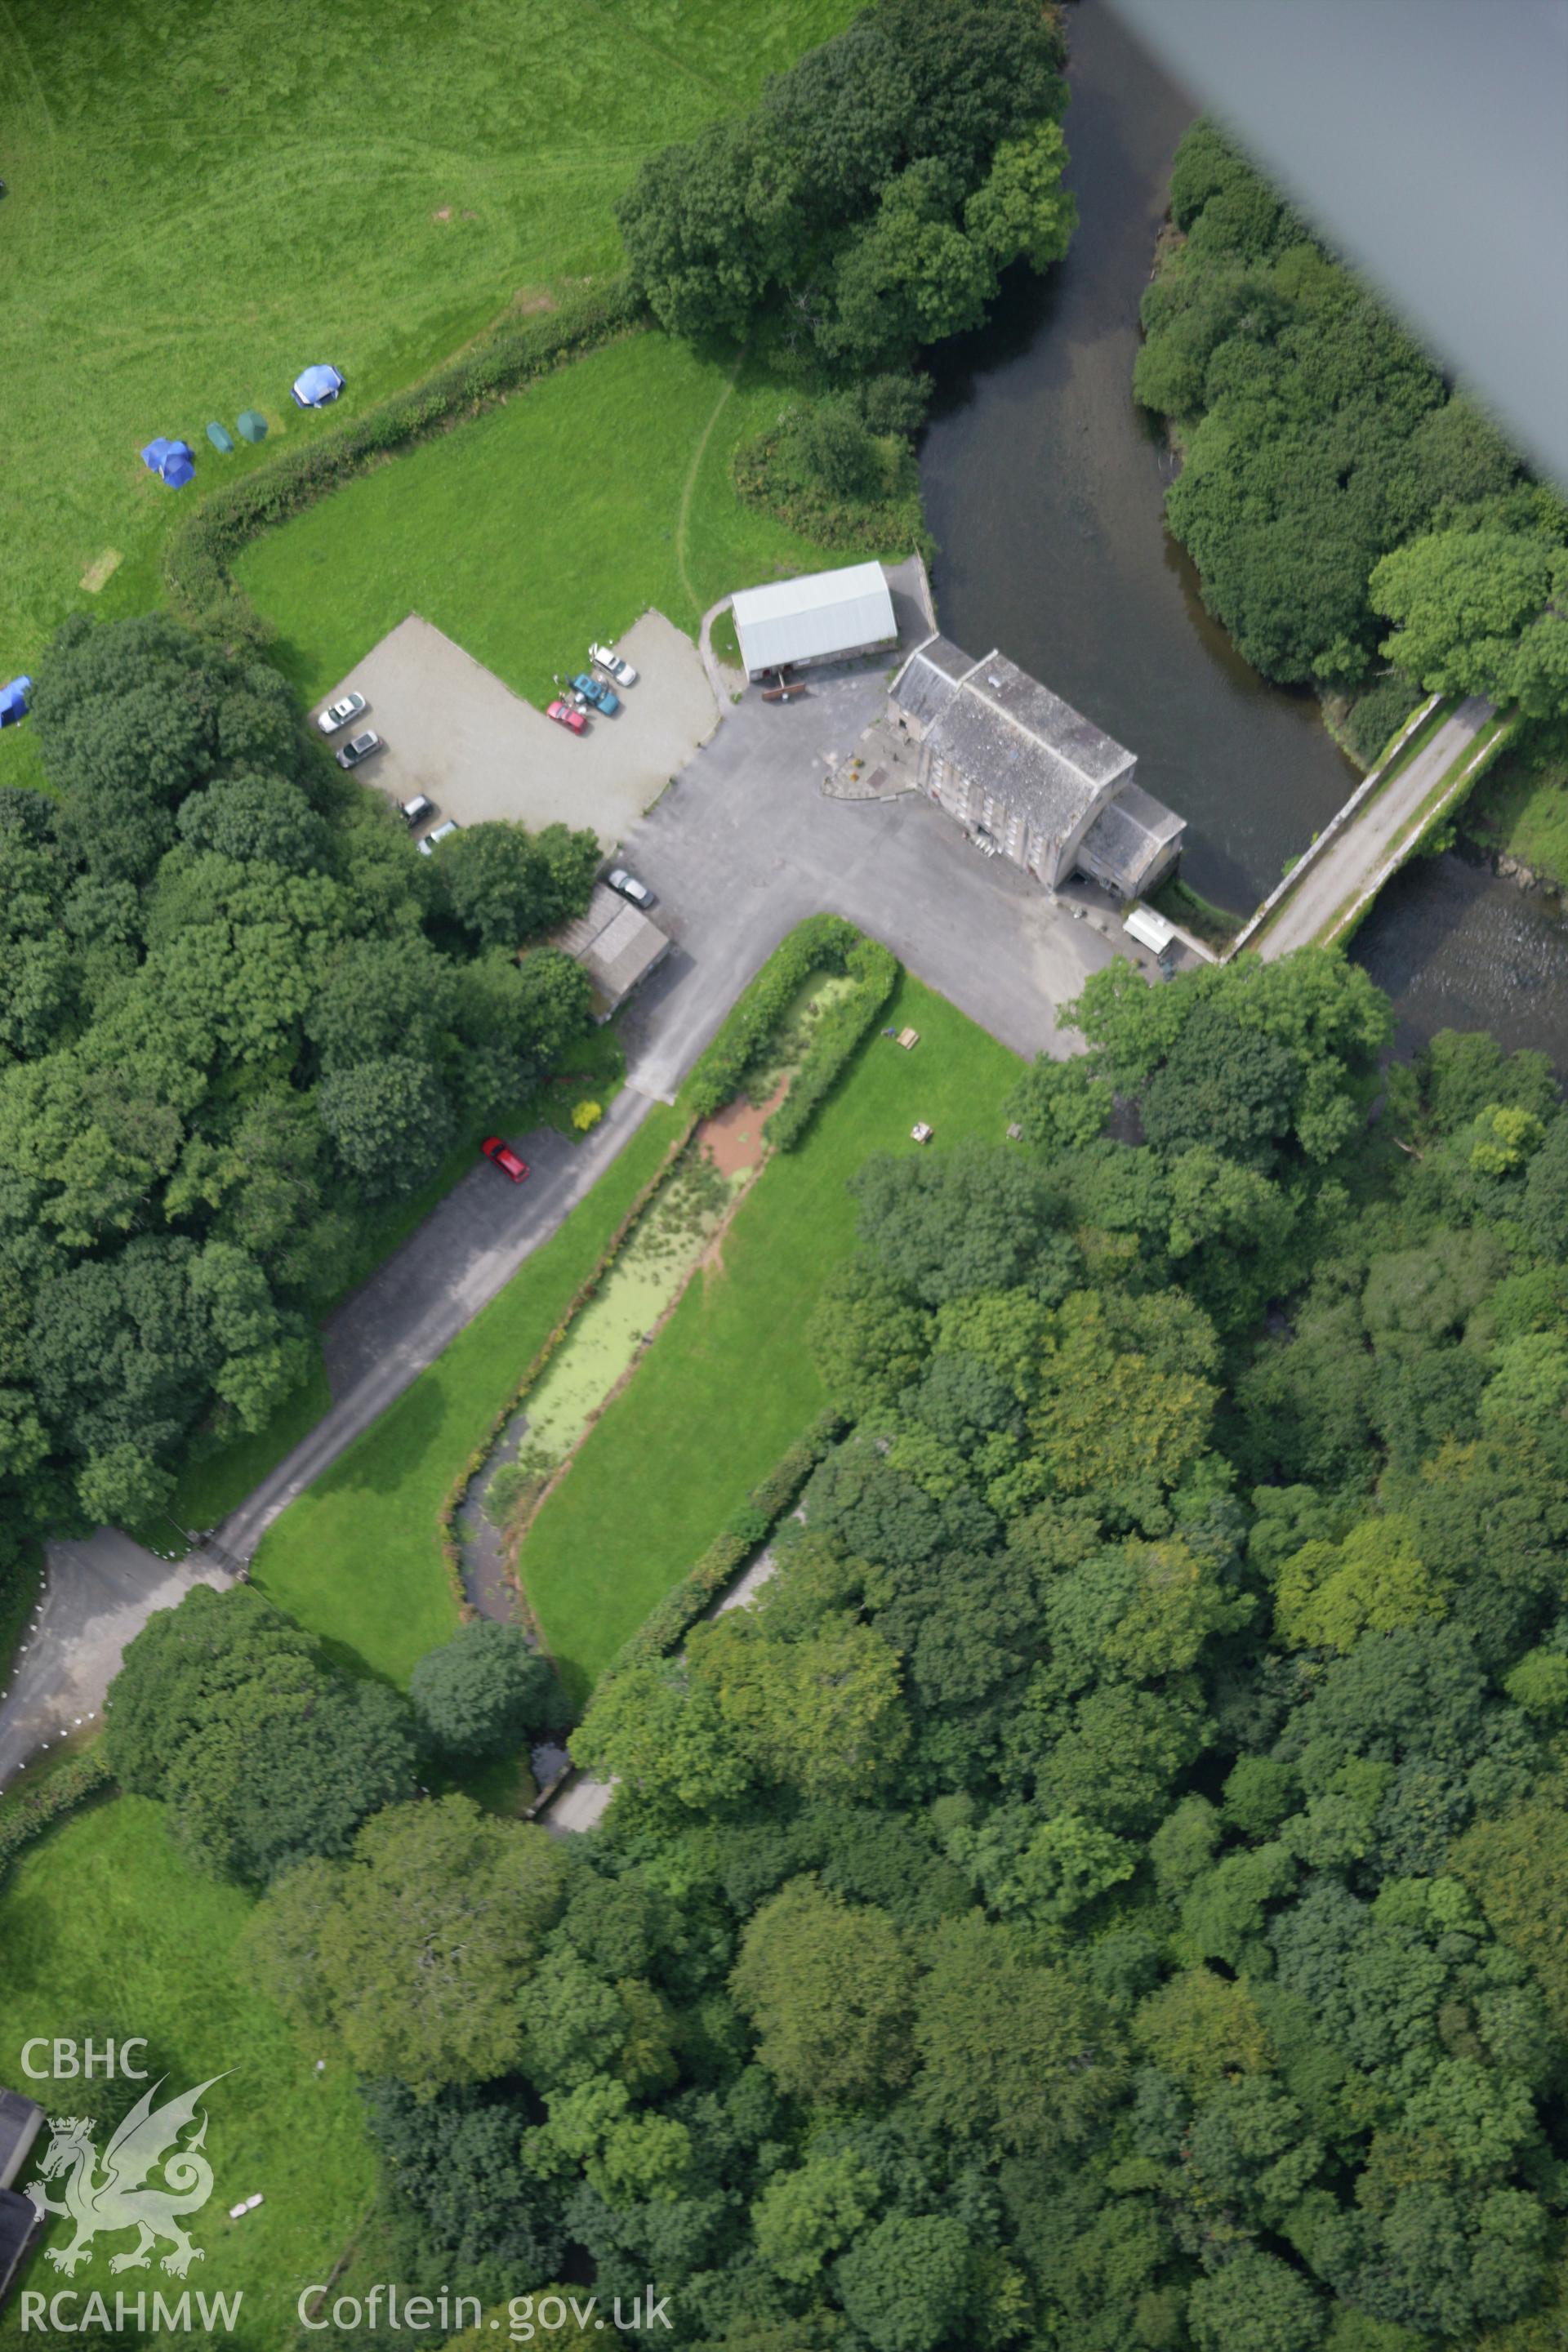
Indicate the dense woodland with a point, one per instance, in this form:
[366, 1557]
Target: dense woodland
[1357, 523]
[865, 211]
[1105, 1891]
[239, 1017]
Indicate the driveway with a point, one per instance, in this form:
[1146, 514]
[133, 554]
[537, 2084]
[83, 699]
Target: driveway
[748, 843]
[1351, 862]
[98, 1595]
[744, 845]
[455, 732]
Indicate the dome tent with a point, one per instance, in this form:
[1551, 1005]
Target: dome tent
[252, 424]
[221, 439]
[317, 385]
[171, 461]
[14, 700]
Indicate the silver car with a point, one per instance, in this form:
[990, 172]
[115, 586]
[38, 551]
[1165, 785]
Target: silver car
[629, 887]
[338, 714]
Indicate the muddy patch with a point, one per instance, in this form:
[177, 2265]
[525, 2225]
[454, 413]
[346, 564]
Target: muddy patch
[442, 213]
[732, 1138]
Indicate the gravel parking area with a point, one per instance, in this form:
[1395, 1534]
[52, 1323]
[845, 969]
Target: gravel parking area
[453, 731]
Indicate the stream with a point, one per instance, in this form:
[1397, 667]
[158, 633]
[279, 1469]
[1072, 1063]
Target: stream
[1043, 484]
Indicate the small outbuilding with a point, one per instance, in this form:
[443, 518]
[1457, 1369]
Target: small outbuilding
[19, 2120]
[615, 945]
[19, 2217]
[221, 439]
[316, 386]
[14, 700]
[824, 616]
[250, 424]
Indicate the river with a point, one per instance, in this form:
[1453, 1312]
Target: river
[1043, 485]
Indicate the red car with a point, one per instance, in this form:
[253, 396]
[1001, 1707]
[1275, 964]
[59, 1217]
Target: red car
[567, 714]
[502, 1155]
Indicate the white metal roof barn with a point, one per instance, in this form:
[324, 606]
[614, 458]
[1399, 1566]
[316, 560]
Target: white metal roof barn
[825, 616]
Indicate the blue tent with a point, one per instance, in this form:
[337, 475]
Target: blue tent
[14, 700]
[252, 425]
[317, 385]
[221, 439]
[171, 460]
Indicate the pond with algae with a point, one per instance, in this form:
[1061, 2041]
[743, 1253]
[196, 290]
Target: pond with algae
[672, 1236]
[603, 1345]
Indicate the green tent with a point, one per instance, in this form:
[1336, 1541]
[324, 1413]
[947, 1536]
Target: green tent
[220, 437]
[253, 425]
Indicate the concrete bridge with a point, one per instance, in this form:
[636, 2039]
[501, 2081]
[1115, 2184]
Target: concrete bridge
[1333, 883]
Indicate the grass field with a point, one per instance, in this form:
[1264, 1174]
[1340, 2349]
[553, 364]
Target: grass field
[104, 1928]
[561, 515]
[729, 1383]
[357, 1559]
[201, 202]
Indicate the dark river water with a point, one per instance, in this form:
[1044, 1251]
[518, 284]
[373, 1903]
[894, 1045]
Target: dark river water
[1044, 486]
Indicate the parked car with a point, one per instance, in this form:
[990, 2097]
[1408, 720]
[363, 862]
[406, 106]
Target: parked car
[567, 714]
[629, 887]
[415, 811]
[360, 747]
[502, 1155]
[338, 714]
[442, 833]
[594, 689]
[621, 671]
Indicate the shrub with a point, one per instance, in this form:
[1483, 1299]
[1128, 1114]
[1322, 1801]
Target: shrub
[822, 943]
[587, 1115]
[875, 970]
[1379, 713]
[826, 474]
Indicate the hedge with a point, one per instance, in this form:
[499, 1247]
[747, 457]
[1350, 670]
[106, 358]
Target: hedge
[822, 943]
[27, 1816]
[200, 548]
[667, 1625]
[875, 972]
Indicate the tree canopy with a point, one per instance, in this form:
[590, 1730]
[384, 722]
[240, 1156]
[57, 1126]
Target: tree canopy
[242, 1016]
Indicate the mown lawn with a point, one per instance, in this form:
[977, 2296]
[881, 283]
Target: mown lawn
[105, 1930]
[559, 516]
[203, 201]
[358, 1558]
[729, 1384]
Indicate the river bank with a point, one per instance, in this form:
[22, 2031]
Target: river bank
[1044, 486]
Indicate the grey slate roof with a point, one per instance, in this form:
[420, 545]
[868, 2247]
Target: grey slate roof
[926, 683]
[19, 2121]
[1128, 835]
[614, 943]
[19, 2217]
[1009, 733]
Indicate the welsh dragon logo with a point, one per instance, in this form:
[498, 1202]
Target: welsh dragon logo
[114, 2198]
